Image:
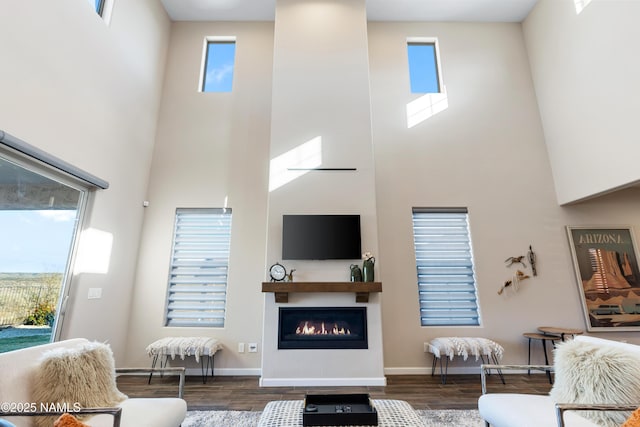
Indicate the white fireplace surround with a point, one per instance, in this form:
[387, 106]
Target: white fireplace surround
[322, 367]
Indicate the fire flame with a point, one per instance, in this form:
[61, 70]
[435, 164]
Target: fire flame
[309, 329]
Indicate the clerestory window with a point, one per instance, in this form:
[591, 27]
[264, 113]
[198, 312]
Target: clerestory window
[103, 8]
[98, 5]
[218, 65]
[424, 74]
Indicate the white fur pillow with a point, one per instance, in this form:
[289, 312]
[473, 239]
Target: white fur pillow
[592, 373]
[83, 375]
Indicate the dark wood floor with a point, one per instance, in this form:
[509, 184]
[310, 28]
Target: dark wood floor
[244, 393]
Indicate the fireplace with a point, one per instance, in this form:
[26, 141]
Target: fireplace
[322, 328]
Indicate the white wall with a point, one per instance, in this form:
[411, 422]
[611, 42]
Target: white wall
[88, 93]
[211, 151]
[486, 151]
[585, 70]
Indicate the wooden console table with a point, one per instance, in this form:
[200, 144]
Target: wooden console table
[281, 290]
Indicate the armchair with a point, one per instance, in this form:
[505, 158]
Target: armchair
[39, 374]
[596, 384]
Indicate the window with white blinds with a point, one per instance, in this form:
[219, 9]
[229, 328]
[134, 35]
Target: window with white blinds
[446, 280]
[197, 291]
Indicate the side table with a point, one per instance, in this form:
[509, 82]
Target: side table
[544, 338]
[557, 331]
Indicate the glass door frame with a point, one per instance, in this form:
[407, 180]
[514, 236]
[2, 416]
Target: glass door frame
[84, 199]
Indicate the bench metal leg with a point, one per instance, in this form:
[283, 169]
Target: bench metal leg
[433, 365]
[153, 365]
[529, 358]
[205, 371]
[546, 359]
[162, 365]
[443, 376]
[495, 361]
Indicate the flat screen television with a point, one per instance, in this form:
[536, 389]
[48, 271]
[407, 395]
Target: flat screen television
[318, 237]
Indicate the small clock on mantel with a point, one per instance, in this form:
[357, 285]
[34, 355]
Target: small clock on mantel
[277, 272]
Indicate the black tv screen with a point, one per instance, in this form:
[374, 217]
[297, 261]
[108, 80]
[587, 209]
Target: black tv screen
[321, 237]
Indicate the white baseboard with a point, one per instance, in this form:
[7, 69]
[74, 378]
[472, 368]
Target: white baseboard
[460, 370]
[235, 372]
[275, 382]
[322, 382]
[407, 371]
[427, 371]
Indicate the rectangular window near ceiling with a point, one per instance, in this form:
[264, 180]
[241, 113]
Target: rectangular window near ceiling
[219, 59]
[444, 260]
[423, 67]
[197, 290]
[580, 5]
[98, 6]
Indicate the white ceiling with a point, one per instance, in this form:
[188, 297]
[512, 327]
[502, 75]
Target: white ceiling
[377, 10]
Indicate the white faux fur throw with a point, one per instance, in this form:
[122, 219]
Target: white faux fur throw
[590, 373]
[462, 346]
[83, 375]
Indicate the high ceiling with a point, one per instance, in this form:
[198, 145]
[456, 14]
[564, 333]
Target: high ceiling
[377, 10]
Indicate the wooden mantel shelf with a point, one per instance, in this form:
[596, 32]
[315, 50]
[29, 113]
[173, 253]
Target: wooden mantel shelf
[282, 290]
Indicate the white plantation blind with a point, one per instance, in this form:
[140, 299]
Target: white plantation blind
[197, 291]
[446, 281]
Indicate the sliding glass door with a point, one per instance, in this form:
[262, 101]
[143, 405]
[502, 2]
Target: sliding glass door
[40, 216]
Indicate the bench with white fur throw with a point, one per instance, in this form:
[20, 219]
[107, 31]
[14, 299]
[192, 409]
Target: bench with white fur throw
[201, 348]
[599, 375]
[449, 347]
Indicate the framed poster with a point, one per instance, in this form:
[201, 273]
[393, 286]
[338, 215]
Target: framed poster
[606, 265]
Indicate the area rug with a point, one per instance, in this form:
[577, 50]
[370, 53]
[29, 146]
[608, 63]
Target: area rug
[441, 418]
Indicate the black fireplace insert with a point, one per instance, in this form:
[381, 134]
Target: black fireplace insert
[322, 328]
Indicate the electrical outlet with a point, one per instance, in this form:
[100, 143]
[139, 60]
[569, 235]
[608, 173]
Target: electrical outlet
[426, 347]
[240, 347]
[94, 293]
[253, 347]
